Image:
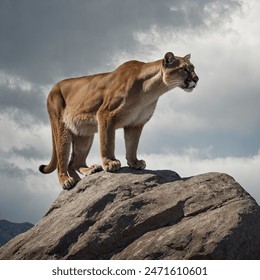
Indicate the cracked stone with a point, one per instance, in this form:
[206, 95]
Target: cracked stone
[146, 214]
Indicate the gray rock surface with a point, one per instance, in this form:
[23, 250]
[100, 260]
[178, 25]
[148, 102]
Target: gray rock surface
[145, 215]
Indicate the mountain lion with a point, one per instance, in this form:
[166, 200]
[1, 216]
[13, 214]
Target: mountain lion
[125, 98]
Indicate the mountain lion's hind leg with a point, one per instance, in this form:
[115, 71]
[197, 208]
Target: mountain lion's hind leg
[63, 143]
[80, 149]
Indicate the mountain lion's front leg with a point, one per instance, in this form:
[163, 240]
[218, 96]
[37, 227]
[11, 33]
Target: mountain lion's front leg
[132, 136]
[107, 143]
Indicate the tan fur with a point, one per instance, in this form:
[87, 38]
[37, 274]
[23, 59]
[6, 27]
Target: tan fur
[125, 98]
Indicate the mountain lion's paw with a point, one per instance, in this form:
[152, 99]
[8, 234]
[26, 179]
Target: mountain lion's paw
[137, 164]
[112, 165]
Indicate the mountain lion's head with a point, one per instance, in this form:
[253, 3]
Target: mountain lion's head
[179, 72]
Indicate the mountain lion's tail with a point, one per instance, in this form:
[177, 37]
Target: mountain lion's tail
[45, 169]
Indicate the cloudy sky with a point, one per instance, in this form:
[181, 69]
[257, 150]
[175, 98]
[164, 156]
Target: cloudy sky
[214, 128]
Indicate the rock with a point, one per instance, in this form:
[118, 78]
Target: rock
[145, 215]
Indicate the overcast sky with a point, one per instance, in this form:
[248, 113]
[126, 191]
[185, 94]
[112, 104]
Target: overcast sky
[214, 128]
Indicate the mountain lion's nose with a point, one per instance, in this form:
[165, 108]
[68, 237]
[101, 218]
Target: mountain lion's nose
[195, 79]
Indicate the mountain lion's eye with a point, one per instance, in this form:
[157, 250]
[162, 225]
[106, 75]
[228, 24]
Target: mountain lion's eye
[185, 71]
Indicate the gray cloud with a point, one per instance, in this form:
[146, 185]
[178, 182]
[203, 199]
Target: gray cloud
[25, 107]
[29, 152]
[43, 40]
[18, 200]
[19, 203]
[11, 170]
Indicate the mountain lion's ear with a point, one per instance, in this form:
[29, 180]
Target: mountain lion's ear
[169, 59]
[187, 56]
